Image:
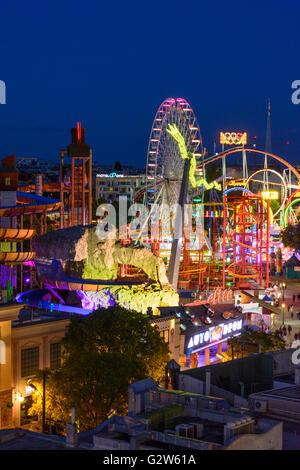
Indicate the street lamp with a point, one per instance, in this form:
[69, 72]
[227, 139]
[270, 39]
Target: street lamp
[282, 311]
[33, 387]
[283, 289]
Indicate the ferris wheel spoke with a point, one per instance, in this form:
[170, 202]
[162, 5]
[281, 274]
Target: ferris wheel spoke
[164, 171]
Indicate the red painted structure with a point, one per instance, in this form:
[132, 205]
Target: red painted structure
[246, 234]
[76, 182]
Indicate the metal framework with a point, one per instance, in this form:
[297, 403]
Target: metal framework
[165, 165]
[76, 182]
[245, 239]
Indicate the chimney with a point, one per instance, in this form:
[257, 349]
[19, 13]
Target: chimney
[71, 431]
[207, 382]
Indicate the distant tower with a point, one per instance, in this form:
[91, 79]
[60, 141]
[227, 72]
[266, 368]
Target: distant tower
[76, 181]
[268, 146]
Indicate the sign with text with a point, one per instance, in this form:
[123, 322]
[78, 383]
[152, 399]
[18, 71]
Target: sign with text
[218, 333]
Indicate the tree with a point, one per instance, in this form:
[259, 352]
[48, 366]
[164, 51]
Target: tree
[103, 354]
[56, 405]
[290, 236]
[247, 343]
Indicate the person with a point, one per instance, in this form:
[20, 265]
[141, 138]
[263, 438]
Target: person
[284, 330]
[289, 329]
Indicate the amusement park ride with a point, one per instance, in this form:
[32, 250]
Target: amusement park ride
[234, 224]
[240, 219]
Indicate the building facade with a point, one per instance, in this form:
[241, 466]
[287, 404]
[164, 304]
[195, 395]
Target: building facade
[32, 344]
[111, 186]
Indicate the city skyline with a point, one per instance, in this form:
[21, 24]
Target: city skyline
[110, 67]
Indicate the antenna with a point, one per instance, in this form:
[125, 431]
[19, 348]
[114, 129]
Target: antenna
[268, 146]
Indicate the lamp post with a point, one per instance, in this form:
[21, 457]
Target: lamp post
[283, 289]
[282, 312]
[33, 387]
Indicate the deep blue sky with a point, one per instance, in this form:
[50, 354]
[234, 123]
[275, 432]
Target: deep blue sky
[111, 64]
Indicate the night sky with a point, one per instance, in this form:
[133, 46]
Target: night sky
[109, 65]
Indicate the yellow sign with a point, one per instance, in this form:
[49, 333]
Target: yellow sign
[233, 138]
[270, 195]
[237, 183]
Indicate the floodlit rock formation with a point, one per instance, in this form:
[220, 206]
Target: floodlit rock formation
[96, 259]
[138, 298]
[88, 257]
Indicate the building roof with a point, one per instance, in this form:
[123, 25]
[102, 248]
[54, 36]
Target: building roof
[292, 262]
[193, 316]
[21, 439]
[143, 385]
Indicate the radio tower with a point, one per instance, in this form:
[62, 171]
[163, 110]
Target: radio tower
[268, 146]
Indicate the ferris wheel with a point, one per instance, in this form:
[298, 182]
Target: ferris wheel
[164, 171]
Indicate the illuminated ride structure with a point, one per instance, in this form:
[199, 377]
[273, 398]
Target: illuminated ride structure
[18, 209]
[230, 246]
[246, 236]
[165, 162]
[270, 199]
[267, 198]
[76, 181]
[174, 177]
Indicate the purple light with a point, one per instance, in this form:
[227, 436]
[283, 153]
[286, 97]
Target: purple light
[93, 300]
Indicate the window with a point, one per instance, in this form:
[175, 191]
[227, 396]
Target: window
[7, 181]
[165, 335]
[55, 355]
[29, 361]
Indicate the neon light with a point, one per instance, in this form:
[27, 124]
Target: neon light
[219, 295]
[233, 138]
[79, 132]
[174, 132]
[215, 333]
[237, 183]
[285, 214]
[270, 195]
[237, 188]
[283, 182]
[211, 185]
[262, 153]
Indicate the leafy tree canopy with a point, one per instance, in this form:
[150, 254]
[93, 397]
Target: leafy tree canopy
[290, 236]
[103, 354]
[246, 342]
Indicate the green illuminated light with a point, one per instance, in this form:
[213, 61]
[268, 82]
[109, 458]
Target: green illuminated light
[174, 132]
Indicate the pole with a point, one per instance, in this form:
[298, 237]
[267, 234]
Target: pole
[268, 247]
[224, 241]
[44, 402]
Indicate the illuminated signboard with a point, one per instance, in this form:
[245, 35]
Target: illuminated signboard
[110, 175]
[237, 183]
[233, 138]
[270, 195]
[219, 295]
[218, 333]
